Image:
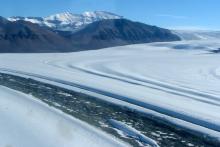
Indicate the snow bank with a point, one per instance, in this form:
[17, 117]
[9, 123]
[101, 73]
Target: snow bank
[26, 122]
[133, 133]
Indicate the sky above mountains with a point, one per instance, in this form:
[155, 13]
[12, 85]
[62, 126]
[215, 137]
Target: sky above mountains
[178, 14]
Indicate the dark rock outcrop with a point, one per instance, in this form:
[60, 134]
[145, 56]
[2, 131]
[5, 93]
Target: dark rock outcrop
[115, 32]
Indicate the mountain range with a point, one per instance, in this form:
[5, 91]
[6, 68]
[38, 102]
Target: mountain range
[68, 21]
[67, 32]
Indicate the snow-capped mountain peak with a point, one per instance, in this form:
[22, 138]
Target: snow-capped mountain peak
[101, 15]
[64, 17]
[37, 20]
[67, 21]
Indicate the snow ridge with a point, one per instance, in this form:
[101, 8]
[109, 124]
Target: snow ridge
[197, 34]
[67, 21]
[128, 131]
[44, 126]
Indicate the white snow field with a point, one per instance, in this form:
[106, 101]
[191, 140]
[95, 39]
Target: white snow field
[26, 122]
[178, 82]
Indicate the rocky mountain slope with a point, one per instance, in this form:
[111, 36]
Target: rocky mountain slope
[116, 32]
[22, 36]
[68, 33]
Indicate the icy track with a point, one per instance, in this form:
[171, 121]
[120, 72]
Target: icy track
[28, 123]
[178, 81]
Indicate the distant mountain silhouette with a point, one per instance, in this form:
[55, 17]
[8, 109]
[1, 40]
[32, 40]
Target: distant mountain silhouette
[21, 36]
[26, 37]
[114, 32]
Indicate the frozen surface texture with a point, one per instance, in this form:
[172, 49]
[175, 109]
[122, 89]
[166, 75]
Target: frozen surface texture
[26, 122]
[180, 80]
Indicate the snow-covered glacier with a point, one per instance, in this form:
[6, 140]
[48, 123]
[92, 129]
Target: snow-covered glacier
[177, 81]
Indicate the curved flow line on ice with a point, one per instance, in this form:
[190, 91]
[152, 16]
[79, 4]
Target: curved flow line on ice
[174, 90]
[165, 111]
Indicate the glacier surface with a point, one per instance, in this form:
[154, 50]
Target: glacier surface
[177, 80]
